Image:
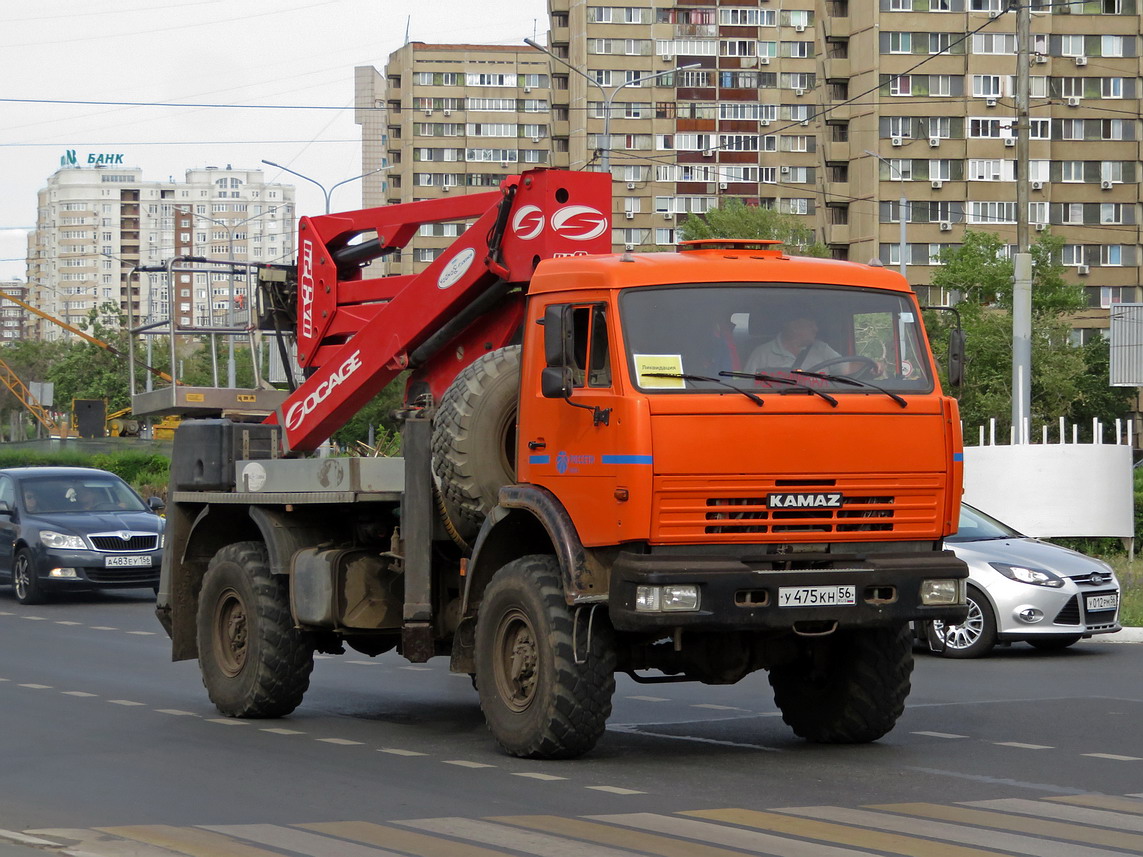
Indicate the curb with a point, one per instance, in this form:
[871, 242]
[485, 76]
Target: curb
[1126, 635]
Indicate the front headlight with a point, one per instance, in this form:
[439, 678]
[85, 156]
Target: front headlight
[62, 541]
[1027, 574]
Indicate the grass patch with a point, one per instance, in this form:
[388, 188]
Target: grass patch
[1130, 576]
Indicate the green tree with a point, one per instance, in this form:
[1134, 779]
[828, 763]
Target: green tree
[1066, 381]
[735, 219]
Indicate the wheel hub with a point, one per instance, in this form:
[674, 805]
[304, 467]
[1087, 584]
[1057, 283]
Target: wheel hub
[231, 633]
[965, 634]
[517, 661]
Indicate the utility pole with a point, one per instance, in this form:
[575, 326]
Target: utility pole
[1022, 267]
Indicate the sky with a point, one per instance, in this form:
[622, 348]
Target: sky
[281, 72]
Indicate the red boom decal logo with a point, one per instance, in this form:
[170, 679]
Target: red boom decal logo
[300, 410]
[528, 222]
[306, 290]
[579, 223]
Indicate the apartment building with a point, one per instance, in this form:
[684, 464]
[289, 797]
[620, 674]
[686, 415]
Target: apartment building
[13, 317]
[97, 224]
[452, 119]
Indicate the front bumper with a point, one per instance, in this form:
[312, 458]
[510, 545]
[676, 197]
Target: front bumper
[741, 595]
[92, 572]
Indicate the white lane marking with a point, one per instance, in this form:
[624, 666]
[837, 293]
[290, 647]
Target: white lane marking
[993, 840]
[124, 702]
[37, 686]
[177, 712]
[637, 729]
[1021, 746]
[714, 707]
[80, 693]
[364, 663]
[5, 679]
[6, 613]
[280, 731]
[227, 721]
[1115, 757]
[615, 790]
[650, 698]
[24, 839]
[534, 776]
[35, 618]
[939, 734]
[65, 622]
[1064, 812]
[142, 633]
[1136, 794]
[464, 763]
[511, 838]
[103, 628]
[394, 751]
[417, 669]
[344, 742]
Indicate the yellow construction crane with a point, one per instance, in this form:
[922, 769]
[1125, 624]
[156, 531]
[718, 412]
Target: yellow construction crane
[20, 390]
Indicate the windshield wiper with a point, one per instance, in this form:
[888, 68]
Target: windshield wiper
[686, 377]
[796, 385]
[854, 382]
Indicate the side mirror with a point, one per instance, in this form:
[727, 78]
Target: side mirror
[6, 509]
[556, 382]
[557, 335]
[956, 357]
[156, 503]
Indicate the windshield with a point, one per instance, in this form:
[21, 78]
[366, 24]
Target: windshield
[773, 337]
[977, 526]
[88, 494]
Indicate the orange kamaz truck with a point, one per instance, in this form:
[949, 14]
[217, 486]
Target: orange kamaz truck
[693, 465]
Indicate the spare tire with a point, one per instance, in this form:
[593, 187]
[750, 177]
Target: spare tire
[474, 438]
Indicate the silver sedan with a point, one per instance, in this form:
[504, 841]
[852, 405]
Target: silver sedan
[1023, 589]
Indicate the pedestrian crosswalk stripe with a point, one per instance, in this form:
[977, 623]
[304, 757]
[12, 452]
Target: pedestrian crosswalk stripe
[300, 841]
[942, 831]
[1022, 824]
[891, 843]
[405, 841]
[1083, 815]
[186, 840]
[502, 836]
[1112, 802]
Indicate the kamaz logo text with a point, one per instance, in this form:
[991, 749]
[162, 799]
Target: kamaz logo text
[827, 500]
[298, 411]
[306, 290]
[573, 222]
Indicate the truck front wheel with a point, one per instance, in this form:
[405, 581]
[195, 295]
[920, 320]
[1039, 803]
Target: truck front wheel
[545, 684]
[254, 662]
[847, 688]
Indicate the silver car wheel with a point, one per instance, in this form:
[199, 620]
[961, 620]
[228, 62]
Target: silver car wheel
[973, 637]
[962, 636]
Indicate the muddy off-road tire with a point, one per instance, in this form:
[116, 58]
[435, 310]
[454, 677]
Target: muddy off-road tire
[254, 662]
[537, 700]
[847, 688]
[474, 438]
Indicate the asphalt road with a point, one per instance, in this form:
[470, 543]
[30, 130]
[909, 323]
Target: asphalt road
[108, 748]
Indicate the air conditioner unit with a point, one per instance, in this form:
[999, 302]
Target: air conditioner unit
[447, 112]
[527, 89]
[1081, 61]
[429, 112]
[631, 185]
[934, 142]
[1041, 58]
[535, 139]
[1083, 270]
[1105, 185]
[665, 57]
[629, 215]
[722, 185]
[946, 226]
[503, 165]
[764, 122]
[898, 141]
[446, 188]
[784, 170]
[1037, 185]
[805, 121]
[1073, 101]
[990, 102]
[1040, 227]
[994, 13]
[937, 184]
[668, 215]
[763, 60]
[799, 92]
[1009, 142]
[708, 153]
[799, 28]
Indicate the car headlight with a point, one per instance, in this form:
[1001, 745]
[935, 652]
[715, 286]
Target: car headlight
[63, 541]
[1027, 574]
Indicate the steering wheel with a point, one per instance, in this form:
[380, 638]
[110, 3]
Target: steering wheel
[867, 369]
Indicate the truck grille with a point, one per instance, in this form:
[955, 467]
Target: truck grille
[115, 543]
[688, 510]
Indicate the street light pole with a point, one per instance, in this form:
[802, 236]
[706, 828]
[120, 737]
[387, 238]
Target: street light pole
[902, 215]
[326, 193]
[605, 158]
[231, 369]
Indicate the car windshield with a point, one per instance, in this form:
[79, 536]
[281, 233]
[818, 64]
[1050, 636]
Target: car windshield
[774, 338]
[86, 494]
[976, 526]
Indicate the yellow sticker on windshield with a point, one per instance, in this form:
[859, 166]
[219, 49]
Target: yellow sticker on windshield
[660, 371]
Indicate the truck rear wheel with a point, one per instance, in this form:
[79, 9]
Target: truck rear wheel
[474, 437]
[538, 699]
[847, 688]
[254, 662]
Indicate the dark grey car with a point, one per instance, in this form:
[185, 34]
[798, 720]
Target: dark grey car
[75, 528]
